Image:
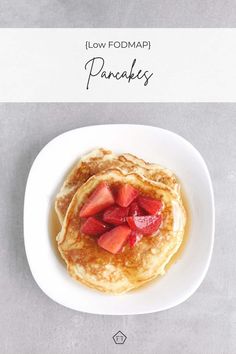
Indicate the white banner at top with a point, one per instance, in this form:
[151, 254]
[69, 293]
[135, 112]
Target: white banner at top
[118, 65]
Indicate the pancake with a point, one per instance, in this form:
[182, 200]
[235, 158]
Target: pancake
[92, 163]
[100, 160]
[152, 171]
[118, 273]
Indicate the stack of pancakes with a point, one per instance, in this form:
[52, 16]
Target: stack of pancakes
[91, 264]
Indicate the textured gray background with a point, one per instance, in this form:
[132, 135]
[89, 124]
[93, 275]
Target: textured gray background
[32, 323]
[117, 13]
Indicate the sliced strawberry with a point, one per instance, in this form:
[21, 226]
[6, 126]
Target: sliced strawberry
[115, 215]
[152, 206]
[146, 225]
[113, 240]
[99, 200]
[126, 194]
[134, 238]
[134, 209]
[94, 227]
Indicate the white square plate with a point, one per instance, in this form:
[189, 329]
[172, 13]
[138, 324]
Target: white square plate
[153, 145]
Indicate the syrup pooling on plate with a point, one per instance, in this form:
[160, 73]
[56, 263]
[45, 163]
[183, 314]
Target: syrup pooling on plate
[123, 224]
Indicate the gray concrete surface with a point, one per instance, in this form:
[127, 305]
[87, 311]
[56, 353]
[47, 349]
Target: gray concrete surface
[117, 13]
[32, 323]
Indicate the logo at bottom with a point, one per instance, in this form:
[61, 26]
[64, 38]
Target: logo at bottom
[119, 338]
